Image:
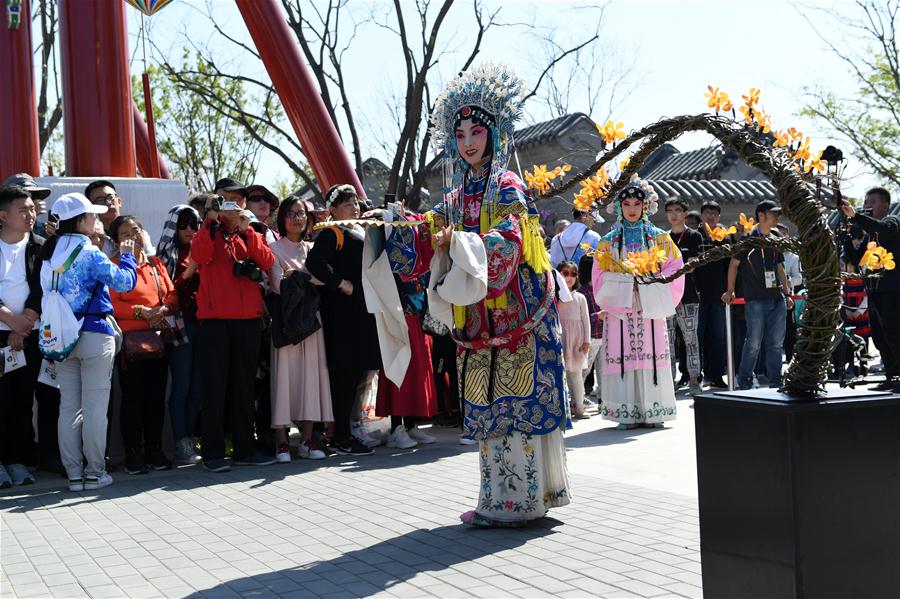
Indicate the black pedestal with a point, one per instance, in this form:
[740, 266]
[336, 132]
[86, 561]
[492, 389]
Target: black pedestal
[799, 498]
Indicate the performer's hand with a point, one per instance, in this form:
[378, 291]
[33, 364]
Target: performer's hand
[442, 239]
[728, 297]
[346, 287]
[585, 348]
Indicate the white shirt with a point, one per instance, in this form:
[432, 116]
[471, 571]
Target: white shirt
[792, 269]
[567, 245]
[14, 288]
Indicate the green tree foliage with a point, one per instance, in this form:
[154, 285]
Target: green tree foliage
[868, 115]
[201, 143]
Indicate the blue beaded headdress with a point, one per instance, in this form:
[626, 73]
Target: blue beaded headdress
[498, 92]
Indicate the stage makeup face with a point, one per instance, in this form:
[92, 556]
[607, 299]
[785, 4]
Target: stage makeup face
[472, 142]
[632, 209]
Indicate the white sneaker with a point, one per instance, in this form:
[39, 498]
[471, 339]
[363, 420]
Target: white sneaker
[97, 482]
[400, 439]
[76, 484]
[283, 454]
[421, 436]
[464, 440]
[310, 451]
[363, 436]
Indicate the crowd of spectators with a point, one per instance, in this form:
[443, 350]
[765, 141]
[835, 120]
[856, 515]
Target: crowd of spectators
[243, 323]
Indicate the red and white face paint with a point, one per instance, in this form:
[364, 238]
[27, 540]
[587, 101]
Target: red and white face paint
[472, 141]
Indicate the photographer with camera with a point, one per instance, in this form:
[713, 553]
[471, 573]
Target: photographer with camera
[232, 258]
[884, 291]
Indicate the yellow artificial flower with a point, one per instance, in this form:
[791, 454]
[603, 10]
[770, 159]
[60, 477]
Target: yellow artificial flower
[720, 233]
[782, 139]
[747, 224]
[717, 99]
[539, 179]
[803, 153]
[795, 134]
[876, 258]
[815, 163]
[752, 98]
[610, 132]
[763, 121]
[624, 163]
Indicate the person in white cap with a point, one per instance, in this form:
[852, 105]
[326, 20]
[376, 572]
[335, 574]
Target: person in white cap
[568, 244]
[83, 274]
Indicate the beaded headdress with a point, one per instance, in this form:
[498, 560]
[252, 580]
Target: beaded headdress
[495, 92]
[636, 188]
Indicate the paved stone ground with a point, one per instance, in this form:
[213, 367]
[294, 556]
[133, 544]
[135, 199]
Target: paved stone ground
[378, 526]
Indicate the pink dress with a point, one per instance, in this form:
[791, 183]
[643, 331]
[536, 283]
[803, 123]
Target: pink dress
[576, 331]
[300, 384]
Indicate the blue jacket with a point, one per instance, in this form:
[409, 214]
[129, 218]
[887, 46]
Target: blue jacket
[85, 283]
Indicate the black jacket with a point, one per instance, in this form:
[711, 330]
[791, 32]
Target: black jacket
[33, 265]
[351, 338]
[886, 232]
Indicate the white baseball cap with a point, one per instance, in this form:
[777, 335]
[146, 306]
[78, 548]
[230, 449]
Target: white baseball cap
[595, 214]
[75, 204]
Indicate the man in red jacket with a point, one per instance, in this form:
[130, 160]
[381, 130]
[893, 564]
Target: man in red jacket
[232, 258]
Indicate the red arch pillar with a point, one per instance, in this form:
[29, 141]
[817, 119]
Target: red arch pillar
[20, 148]
[96, 89]
[298, 93]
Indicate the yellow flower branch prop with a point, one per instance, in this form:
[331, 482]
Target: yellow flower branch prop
[539, 179]
[720, 233]
[876, 258]
[639, 264]
[747, 224]
[612, 132]
[717, 99]
[592, 189]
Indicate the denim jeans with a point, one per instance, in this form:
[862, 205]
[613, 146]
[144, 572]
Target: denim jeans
[711, 337]
[766, 321]
[184, 397]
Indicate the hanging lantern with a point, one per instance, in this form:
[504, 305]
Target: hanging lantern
[148, 7]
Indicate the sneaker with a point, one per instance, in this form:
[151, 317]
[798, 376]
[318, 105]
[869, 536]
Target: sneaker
[400, 439]
[217, 465]
[97, 482]
[283, 454]
[718, 383]
[309, 450]
[20, 475]
[421, 436]
[695, 389]
[257, 459]
[184, 452]
[464, 440]
[156, 459]
[76, 484]
[351, 447]
[5, 479]
[582, 416]
[134, 463]
[363, 436]
[886, 385]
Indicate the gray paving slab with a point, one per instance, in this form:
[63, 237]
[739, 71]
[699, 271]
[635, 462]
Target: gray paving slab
[378, 526]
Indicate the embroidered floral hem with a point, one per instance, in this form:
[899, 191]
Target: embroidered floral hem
[643, 402]
[522, 476]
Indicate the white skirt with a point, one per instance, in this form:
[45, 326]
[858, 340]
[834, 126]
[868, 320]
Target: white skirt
[522, 476]
[634, 399]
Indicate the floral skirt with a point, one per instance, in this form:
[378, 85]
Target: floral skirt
[635, 399]
[522, 476]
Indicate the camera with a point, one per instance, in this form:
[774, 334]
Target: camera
[247, 268]
[219, 204]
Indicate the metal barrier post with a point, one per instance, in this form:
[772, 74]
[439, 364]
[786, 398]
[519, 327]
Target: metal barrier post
[729, 347]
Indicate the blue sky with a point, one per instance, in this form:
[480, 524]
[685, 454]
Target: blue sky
[677, 49]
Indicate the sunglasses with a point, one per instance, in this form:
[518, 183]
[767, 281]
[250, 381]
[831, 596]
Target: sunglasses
[192, 224]
[568, 273]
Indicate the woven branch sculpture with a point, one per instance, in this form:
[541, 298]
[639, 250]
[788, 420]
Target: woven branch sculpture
[818, 329]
